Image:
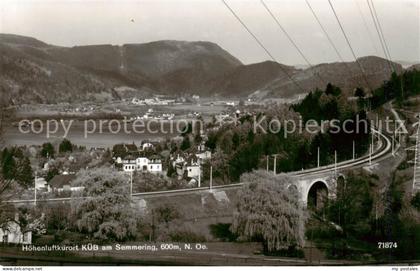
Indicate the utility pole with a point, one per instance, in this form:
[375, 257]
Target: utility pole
[153, 225]
[370, 154]
[131, 184]
[267, 161]
[36, 177]
[318, 157]
[354, 150]
[372, 138]
[199, 175]
[275, 161]
[335, 162]
[211, 178]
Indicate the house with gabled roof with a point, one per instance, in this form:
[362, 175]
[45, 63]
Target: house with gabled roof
[11, 232]
[152, 164]
[64, 182]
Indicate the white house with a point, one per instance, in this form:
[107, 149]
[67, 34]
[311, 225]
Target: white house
[142, 163]
[118, 160]
[153, 165]
[194, 169]
[137, 101]
[41, 184]
[146, 145]
[11, 233]
[191, 164]
[129, 165]
[177, 160]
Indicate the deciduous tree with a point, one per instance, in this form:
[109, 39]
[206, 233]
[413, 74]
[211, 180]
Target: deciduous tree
[268, 211]
[65, 146]
[47, 150]
[105, 212]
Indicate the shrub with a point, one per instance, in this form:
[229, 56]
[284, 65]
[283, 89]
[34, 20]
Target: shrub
[222, 232]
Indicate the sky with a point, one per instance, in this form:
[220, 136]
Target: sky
[85, 22]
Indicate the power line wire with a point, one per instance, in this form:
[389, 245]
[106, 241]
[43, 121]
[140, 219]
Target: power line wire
[260, 44]
[388, 55]
[379, 34]
[377, 29]
[327, 36]
[380, 29]
[325, 32]
[366, 27]
[349, 44]
[391, 64]
[322, 81]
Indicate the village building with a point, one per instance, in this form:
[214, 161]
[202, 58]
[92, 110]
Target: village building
[152, 165]
[155, 165]
[190, 163]
[134, 161]
[146, 145]
[12, 233]
[178, 163]
[41, 184]
[193, 169]
[129, 165]
[205, 155]
[63, 182]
